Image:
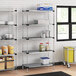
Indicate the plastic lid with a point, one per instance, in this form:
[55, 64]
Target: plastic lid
[47, 42]
[45, 58]
[41, 43]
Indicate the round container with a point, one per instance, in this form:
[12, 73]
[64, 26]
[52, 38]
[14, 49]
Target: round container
[41, 47]
[43, 35]
[47, 46]
[47, 33]
[4, 50]
[8, 36]
[10, 49]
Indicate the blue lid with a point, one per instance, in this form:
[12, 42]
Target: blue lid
[44, 58]
[45, 8]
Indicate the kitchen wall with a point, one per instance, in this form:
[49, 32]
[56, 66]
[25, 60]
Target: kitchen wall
[32, 4]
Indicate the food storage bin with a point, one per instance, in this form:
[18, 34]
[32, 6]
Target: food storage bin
[47, 46]
[10, 65]
[0, 51]
[2, 66]
[2, 59]
[8, 36]
[2, 63]
[4, 50]
[41, 47]
[45, 60]
[10, 49]
[10, 58]
[45, 7]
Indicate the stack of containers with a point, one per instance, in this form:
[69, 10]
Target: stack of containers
[2, 63]
[9, 60]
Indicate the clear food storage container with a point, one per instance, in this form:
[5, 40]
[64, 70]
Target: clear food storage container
[45, 60]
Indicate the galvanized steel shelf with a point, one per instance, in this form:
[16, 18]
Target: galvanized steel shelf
[8, 24]
[36, 11]
[37, 51]
[36, 25]
[8, 39]
[28, 38]
[13, 19]
[8, 55]
[35, 65]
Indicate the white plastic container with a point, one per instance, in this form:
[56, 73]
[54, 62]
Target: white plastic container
[47, 32]
[43, 35]
[8, 36]
[45, 60]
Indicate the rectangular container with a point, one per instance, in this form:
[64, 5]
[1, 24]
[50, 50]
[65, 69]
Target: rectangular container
[10, 58]
[10, 49]
[2, 66]
[2, 59]
[10, 65]
[45, 8]
[69, 54]
[0, 51]
[45, 60]
[4, 50]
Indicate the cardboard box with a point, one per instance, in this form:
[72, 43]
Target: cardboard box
[10, 58]
[2, 66]
[10, 65]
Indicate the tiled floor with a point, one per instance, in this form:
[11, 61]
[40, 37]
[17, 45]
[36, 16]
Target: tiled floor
[71, 71]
